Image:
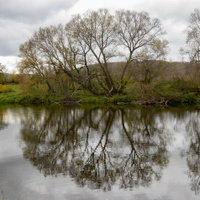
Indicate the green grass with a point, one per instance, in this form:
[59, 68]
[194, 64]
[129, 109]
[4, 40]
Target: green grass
[87, 98]
[13, 95]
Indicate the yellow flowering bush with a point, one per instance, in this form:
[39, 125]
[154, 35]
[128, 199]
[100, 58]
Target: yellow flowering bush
[3, 88]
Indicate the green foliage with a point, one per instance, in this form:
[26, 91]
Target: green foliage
[122, 99]
[14, 95]
[49, 88]
[11, 97]
[87, 98]
[3, 88]
[198, 100]
[167, 89]
[133, 89]
[187, 85]
[182, 91]
[1, 80]
[29, 88]
[189, 98]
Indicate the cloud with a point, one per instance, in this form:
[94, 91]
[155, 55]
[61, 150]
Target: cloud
[177, 11]
[10, 36]
[32, 11]
[19, 19]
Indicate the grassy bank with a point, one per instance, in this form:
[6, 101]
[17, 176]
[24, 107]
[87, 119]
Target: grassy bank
[15, 95]
[167, 93]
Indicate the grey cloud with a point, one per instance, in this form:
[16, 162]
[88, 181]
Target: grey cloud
[32, 11]
[20, 18]
[12, 34]
[7, 48]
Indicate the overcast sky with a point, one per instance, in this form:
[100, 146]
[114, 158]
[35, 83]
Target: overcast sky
[20, 18]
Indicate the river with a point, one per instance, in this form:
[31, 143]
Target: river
[107, 153]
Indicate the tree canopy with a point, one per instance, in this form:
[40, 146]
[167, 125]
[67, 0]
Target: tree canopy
[84, 48]
[193, 37]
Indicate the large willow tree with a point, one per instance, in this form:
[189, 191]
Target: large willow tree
[85, 48]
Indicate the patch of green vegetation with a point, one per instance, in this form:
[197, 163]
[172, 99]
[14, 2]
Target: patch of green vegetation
[167, 89]
[88, 98]
[12, 95]
[122, 99]
[189, 98]
[184, 92]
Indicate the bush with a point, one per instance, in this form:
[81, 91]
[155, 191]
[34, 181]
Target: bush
[189, 98]
[3, 88]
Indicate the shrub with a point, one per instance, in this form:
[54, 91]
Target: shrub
[189, 98]
[3, 88]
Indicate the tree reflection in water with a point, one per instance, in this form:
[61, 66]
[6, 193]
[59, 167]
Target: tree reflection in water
[193, 154]
[97, 147]
[3, 124]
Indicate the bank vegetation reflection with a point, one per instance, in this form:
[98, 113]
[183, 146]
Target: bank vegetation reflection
[3, 124]
[99, 147]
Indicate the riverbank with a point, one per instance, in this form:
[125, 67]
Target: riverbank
[15, 95]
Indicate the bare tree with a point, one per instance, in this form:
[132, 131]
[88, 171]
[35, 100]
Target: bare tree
[193, 36]
[95, 34]
[192, 49]
[149, 62]
[3, 70]
[50, 52]
[138, 36]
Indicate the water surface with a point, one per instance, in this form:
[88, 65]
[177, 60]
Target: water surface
[99, 153]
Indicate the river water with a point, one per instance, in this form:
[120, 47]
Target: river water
[108, 153]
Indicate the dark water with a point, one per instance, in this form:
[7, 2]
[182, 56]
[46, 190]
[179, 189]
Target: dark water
[100, 153]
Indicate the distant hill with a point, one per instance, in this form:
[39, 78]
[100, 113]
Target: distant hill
[170, 70]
